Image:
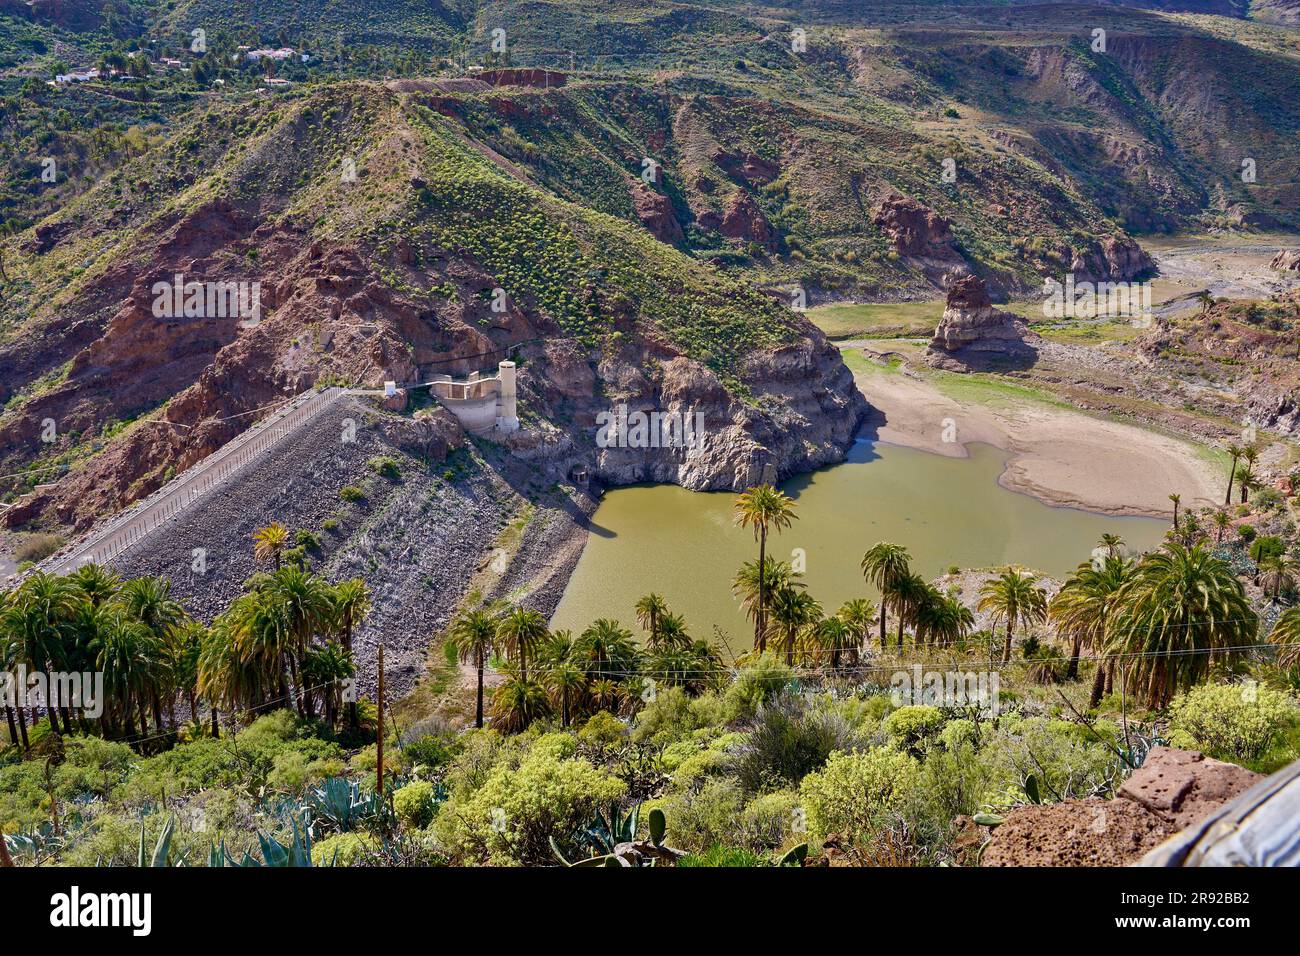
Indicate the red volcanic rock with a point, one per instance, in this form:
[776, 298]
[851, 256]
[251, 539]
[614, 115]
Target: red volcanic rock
[1114, 259]
[1183, 786]
[544, 79]
[744, 220]
[747, 166]
[915, 230]
[1172, 790]
[656, 213]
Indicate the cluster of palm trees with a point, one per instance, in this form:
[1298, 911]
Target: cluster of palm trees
[603, 668]
[1162, 620]
[785, 614]
[286, 641]
[89, 621]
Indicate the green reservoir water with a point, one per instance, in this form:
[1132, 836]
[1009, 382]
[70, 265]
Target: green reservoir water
[945, 511]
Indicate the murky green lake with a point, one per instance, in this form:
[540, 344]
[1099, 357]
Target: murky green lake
[946, 511]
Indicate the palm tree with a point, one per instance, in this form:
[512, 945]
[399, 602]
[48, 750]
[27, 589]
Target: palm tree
[183, 649]
[607, 650]
[517, 703]
[672, 632]
[306, 603]
[1236, 451]
[885, 566]
[1247, 483]
[649, 610]
[910, 595]
[1112, 543]
[565, 676]
[1081, 608]
[1286, 635]
[763, 508]
[751, 587]
[941, 619]
[1013, 598]
[96, 582]
[793, 610]
[269, 543]
[1221, 521]
[1177, 500]
[326, 667]
[835, 636]
[149, 601]
[858, 614]
[1277, 572]
[35, 622]
[1206, 299]
[350, 603]
[520, 633]
[474, 635]
[1182, 610]
[256, 627]
[126, 654]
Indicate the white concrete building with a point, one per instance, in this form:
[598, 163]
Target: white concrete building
[484, 404]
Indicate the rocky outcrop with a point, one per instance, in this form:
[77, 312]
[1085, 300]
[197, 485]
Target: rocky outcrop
[1287, 260]
[805, 415]
[744, 220]
[916, 231]
[972, 333]
[1113, 259]
[751, 168]
[655, 211]
[1170, 791]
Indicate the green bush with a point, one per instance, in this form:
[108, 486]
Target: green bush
[517, 810]
[603, 729]
[386, 467]
[910, 725]
[718, 855]
[37, 547]
[415, 804]
[343, 849]
[1231, 721]
[352, 493]
[790, 739]
[754, 686]
[674, 715]
[855, 793]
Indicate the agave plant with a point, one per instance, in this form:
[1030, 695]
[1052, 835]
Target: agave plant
[611, 828]
[274, 853]
[339, 804]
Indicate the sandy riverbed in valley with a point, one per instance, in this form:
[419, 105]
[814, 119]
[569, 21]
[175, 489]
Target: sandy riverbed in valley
[1060, 456]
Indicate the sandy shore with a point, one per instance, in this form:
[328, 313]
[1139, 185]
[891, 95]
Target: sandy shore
[1059, 456]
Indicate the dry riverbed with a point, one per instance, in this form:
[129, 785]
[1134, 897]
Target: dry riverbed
[1059, 455]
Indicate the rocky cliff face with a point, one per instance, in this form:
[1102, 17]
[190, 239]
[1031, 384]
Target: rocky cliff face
[918, 233]
[404, 308]
[972, 333]
[803, 413]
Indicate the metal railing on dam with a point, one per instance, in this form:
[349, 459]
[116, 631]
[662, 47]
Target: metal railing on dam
[125, 529]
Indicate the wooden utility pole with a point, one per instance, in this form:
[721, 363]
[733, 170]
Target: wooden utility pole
[379, 737]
